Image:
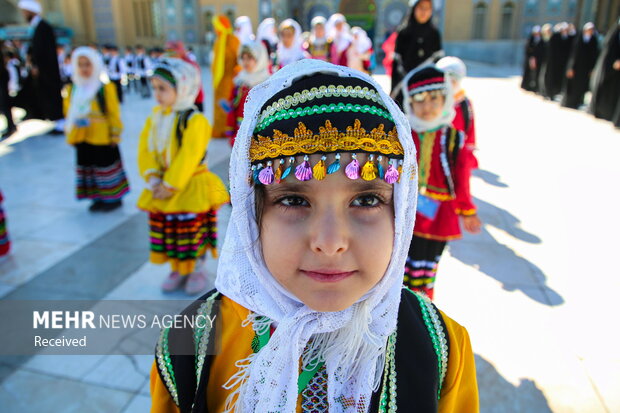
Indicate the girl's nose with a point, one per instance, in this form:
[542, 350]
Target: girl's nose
[329, 234]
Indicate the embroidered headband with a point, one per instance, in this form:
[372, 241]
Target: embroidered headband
[165, 74]
[343, 115]
[426, 80]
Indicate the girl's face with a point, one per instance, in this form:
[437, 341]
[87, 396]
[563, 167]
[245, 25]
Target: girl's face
[165, 93]
[328, 242]
[85, 67]
[319, 31]
[428, 105]
[287, 35]
[248, 62]
[424, 11]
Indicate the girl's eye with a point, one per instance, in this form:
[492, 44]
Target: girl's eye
[293, 201]
[367, 201]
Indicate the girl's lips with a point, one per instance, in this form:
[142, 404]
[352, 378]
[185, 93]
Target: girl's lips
[328, 275]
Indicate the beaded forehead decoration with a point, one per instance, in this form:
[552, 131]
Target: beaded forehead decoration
[325, 114]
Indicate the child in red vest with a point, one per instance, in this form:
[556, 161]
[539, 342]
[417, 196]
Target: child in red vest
[444, 169]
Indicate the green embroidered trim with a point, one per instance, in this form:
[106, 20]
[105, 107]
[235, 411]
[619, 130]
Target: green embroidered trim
[165, 365]
[438, 337]
[389, 378]
[315, 110]
[318, 93]
[201, 340]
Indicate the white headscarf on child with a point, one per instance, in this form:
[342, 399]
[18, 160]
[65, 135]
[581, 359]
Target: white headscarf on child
[341, 38]
[84, 89]
[288, 55]
[187, 85]
[267, 31]
[261, 71]
[447, 114]
[243, 29]
[455, 69]
[353, 341]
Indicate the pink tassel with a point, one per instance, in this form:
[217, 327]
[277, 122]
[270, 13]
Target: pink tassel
[353, 169]
[391, 175]
[266, 175]
[303, 172]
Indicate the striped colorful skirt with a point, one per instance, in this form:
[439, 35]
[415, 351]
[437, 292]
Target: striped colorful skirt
[5, 244]
[100, 173]
[182, 239]
[421, 265]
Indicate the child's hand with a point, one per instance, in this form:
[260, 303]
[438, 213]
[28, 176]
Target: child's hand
[161, 192]
[472, 224]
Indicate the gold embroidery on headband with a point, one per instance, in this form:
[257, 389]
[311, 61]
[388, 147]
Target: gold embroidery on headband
[329, 139]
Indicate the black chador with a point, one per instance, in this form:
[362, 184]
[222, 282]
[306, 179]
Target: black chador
[606, 81]
[46, 82]
[579, 70]
[558, 52]
[534, 50]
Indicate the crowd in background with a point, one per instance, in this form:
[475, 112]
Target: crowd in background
[576, 68]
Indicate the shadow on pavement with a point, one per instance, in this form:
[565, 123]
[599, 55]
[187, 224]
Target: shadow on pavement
[499, 261]
[489, 177]
[498, 395]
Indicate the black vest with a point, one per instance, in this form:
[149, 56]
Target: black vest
[417, 360]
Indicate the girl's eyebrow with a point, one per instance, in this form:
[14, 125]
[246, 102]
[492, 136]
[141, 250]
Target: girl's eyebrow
[356, 186]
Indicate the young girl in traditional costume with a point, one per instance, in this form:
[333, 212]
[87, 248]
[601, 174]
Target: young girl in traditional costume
[319, 46]
[93, 126]
[360, 51]
[339, 33]
[290, 48]
[444, 173]
[464, 120]
[182, 195]
[312, 313]
[254, 62]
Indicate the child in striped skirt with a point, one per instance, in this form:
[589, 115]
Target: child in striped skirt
[182, 195]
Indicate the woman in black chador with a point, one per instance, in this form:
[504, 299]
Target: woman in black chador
[580, 66]
[558, 52]
[534, 50]
[606, 81]
[418, 41]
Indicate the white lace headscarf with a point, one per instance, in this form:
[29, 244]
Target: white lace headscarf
[288, 55]
[267, 31]
[261, 71]
[353, 341]
[84, 88]
[243, 29]
[447, 113]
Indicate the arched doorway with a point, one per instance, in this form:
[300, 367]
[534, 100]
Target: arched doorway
[360, 13]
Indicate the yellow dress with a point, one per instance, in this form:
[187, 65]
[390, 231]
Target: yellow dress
[225, 67]
[183, 227]
[459, 393]
[196, 189]
[104, 128]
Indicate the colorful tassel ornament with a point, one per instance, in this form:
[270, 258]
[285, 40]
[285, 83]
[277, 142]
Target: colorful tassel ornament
[256, 172]
[303, 172]
[380, 167]
[279, 171]
[353, 169]
[369, 171]
[287, 171]
[266, 175]
[334, 166]
[391, 175]
[320, 170]
[400, 169]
